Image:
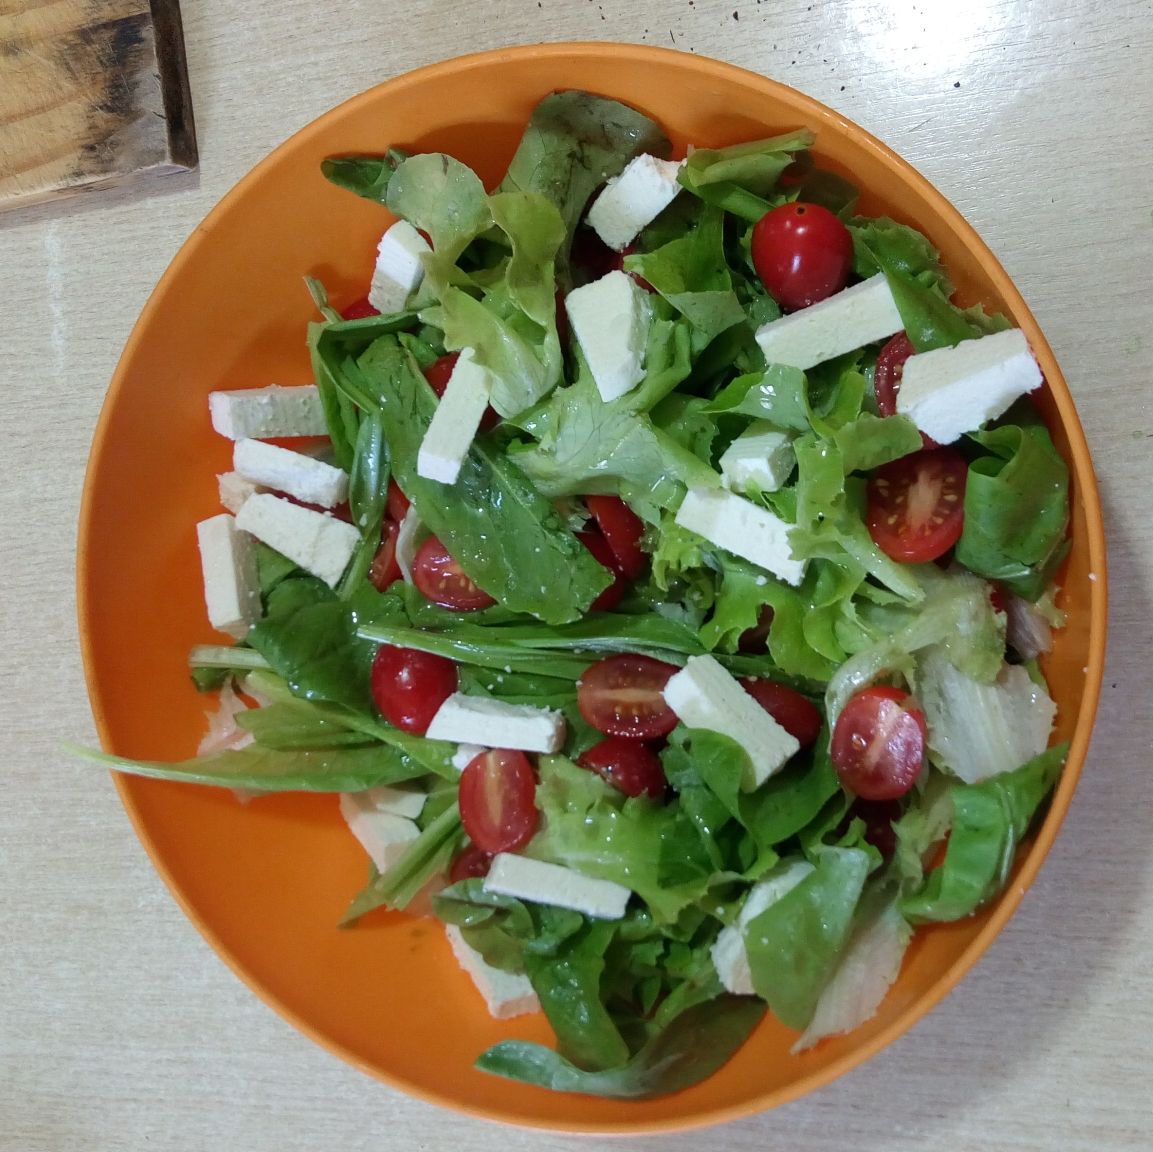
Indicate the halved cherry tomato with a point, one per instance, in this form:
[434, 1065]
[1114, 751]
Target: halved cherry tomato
[623, 530]
[439, 577]
[603, 555]
[623, 695]
[887, 378]
[796, 715]
[398, 502]
[878, 744]
[802, 253]
[628, 765]
[916, 505]
[359, 309]
[384, 569]
[410, 686]
[498, 800]
[470, 863]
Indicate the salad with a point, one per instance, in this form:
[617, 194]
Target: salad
[661, 586]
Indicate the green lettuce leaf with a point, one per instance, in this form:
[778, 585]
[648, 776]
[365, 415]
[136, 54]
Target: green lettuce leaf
[794, 945]
[1016, 509]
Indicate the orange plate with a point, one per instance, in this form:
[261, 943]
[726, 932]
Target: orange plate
[267, 882]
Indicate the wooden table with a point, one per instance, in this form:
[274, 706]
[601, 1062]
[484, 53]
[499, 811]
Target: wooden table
[120, 1029]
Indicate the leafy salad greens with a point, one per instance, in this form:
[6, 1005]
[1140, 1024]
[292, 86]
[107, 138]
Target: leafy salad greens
[795, 897]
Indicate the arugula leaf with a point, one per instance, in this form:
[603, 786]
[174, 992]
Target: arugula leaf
[575, 141]
[308, 636]
[260, 769]
[692, 1046]
[366, 176]
[501, 530]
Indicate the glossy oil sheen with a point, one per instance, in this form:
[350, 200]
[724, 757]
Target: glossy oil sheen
[267, 882]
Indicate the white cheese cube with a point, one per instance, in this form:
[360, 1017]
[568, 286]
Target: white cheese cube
[543, 883]
[455, 421]
[746, 529]
[266, 412]
[319, 543]
[465, 754]
[495, 724]
[399, 268]
[633, 199]
[761, 457]
[845, 321]
[383, 835]
[408, 802]
[293, 473]
[231, 586]
[610, 318]
[704, 695]
[507, 994]
[234, 489]
[950, 391]
[728, 951]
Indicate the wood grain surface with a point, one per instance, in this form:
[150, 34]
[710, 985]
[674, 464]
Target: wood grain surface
[92, 92]
[121, 1030]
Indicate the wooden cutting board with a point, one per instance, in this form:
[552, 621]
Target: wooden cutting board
[92, 93]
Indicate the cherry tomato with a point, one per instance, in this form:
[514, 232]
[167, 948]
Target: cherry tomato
[796, 715]
[384, 569]
[603, 555]
[623, 695]
[802, 253]
[592, 257]
[359, 309]
[998, 600]
[439, 577]
[916, 505]
[628, 765]
[470, 863]
[623, 530]
[878, 744]
[438, 372]
[410, 686]
[398, 502]
[498, 800]
[887, 378]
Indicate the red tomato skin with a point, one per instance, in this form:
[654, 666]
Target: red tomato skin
[793, 712]
[438, 372]
[498, 801]
[359, 310]
[622, 695]
[878, 816]
[623, 529]
[887, 378]
[439, 578]
[398, 502]
[628, 765]
[802, 253]
[470, 863]
[916, 505]
[602, 554]
[410, 686]
[878, 744]
[384, 570]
